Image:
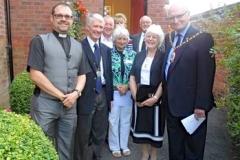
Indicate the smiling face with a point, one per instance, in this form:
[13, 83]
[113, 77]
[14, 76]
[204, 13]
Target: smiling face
[62, 19]
[145, 22]
[121, 42]
[152, 40]
[108, 27]
[178, 17]
[95, 29]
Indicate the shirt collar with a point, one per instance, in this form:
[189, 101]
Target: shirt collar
[103, 38]
[59, 34]
[91, 42]
[183, 31]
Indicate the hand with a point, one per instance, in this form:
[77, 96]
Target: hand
[149, 102]
[70, 99]
[139, 104]
[122, 89]
[199, 113]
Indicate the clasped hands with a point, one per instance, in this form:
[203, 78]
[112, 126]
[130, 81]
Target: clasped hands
[148, 102]
[69, 99]
[122, 89]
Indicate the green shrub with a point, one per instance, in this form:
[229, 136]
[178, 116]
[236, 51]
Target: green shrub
[21, 91]
[22, 139]
[230, 30]
[233, 99]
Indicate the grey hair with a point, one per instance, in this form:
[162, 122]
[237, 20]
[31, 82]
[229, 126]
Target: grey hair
[92, 17]
[156, 29]
[120, 31]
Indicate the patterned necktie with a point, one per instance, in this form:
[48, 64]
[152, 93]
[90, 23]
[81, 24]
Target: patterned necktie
[97, 54]
[97, 60]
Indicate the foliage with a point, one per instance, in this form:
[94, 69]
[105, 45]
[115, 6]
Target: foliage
[77, 29]
[22, 139]
[231, 49]
[21, 91]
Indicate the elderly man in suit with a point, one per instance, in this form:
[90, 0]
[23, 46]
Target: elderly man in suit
[138, 39]
[106, 37]
[188, 72]
[92, 107]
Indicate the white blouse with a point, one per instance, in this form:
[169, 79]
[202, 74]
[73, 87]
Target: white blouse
[145, 71]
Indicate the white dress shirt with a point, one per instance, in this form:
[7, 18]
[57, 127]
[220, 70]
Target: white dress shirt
[92, 43]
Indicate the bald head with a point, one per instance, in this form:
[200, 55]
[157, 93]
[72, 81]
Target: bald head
[145, 22]
[177, 7]
[178, 16]
[109, 26]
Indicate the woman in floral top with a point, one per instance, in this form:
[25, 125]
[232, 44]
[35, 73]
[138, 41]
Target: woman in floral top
[121, 109]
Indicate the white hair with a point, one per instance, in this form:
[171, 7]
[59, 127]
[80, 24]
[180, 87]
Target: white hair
[157, 30]
[120, 31]
[92, 17]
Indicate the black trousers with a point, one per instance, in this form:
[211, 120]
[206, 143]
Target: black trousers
[183, 146]
[91, 131]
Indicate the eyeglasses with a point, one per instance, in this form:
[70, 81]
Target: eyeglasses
[177, 16]
[60, 16]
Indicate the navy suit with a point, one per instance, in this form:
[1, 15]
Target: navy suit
[188, 86]
[92, 107]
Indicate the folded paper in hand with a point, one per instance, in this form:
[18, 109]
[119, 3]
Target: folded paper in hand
[191, 123]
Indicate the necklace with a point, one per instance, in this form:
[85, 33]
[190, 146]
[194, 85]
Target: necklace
[180, 45]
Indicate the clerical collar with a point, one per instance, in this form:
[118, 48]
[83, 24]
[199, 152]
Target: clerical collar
[61, 35]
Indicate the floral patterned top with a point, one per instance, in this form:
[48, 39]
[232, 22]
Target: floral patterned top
[128, 58]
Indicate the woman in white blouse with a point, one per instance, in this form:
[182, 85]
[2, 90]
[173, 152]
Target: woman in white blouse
[148, 116]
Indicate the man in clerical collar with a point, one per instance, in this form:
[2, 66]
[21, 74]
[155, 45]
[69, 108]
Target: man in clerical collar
[57, 66]
[138, 39]
[106, 37]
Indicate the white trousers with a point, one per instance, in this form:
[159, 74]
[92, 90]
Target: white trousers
[120, 121]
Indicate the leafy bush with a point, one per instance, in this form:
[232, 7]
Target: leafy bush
[22, 139]
[233, 99]
[21, 91]
[230, 46]
[80, 11]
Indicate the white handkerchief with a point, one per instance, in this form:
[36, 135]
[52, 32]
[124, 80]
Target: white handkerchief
[191, 123]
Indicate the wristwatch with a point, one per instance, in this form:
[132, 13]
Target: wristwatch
[78, 92]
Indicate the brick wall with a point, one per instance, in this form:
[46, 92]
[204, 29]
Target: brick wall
[31, 17]
[4, 76]
[210, 22]
[28, 18]
[155, 10]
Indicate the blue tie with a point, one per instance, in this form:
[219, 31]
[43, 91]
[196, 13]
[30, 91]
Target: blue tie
[178, 39]
[168, 68]
[97, 60]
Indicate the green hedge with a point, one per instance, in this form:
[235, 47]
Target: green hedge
[22, 139]
[21, 90]
[233, 99]
[231, 50]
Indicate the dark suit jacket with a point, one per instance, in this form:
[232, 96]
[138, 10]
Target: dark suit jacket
[86, 101]
[135, 41]
[190, 78]
[156, 69]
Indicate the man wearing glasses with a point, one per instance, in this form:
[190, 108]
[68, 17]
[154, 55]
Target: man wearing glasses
[57, 67]
[189, 70]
